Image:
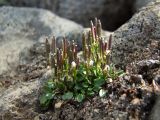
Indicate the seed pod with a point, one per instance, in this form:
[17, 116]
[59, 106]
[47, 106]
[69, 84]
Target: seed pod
[92, 31]
[99, 28]
[53, 51]
[58, 58]
[75, 52]
[52, 60]
[105, 46]
[89, 52]
[101, 47]
[83, 41]
[90, 39]
[110, 42]
[73, 49]
[96, 22]
[77, 62]
[55, 70]
[86, 53]
[53, 45]
[47, 51]
[64, 48]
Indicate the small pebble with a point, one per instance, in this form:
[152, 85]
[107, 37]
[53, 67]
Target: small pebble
[136, 101]
[123, 97]
[58, 104]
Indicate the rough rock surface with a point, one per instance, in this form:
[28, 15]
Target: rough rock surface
[141, 3]
[21, 27]
[136, 35]
[82, 11]
[113, 13]
[144, 28]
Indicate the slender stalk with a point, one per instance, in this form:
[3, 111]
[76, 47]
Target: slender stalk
[99, 28]
[53, 51]
[110, 42]
[47, 51]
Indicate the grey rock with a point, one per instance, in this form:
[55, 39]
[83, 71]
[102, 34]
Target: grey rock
[141, 3]
[20, 94]
[155, 111]
[113, 13]
[20, 28]
[136, 33]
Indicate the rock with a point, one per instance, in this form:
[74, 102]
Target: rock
[141, 3]
[82, 11]
[157, 79]
[136, 34]
[58, 104]
[19, 92]
[20, 28]
[155, 110]
[21, 95]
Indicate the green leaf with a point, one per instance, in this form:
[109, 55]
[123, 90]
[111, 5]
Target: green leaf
[99, 82]
[80, 97]
[120, 73]
[50, 85]
[102, 93]
[85, 85]
[60, 85]
[83, 91]
[90, 93]
[67, 96]
[77, 87]
[45, 99]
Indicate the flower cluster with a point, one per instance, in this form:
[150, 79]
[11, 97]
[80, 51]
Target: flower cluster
[96, 51]
[76, 77]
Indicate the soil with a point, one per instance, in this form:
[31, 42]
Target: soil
[130, 97]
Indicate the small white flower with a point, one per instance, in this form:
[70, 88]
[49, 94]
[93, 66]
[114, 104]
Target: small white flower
[73, 64]
[91, 62]
[107, 52]
[106, 68]
[110, 80]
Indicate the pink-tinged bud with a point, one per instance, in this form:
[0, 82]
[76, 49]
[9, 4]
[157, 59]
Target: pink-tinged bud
[99, 28]
[75, 52]
[53, 45]
[78, 62]
[106, 46]
[95, 33]
[64, 48]
[58, 58]
[53, 51]
[47, 51]
[110, 42]
[92, 31]
[86, 53]
[89, 51]
[70, 55]
[83, 41]
[101, 47]
[96, 22]
[90, 40]
[55, 70]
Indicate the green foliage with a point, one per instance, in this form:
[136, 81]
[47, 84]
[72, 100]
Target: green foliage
[76, 79]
